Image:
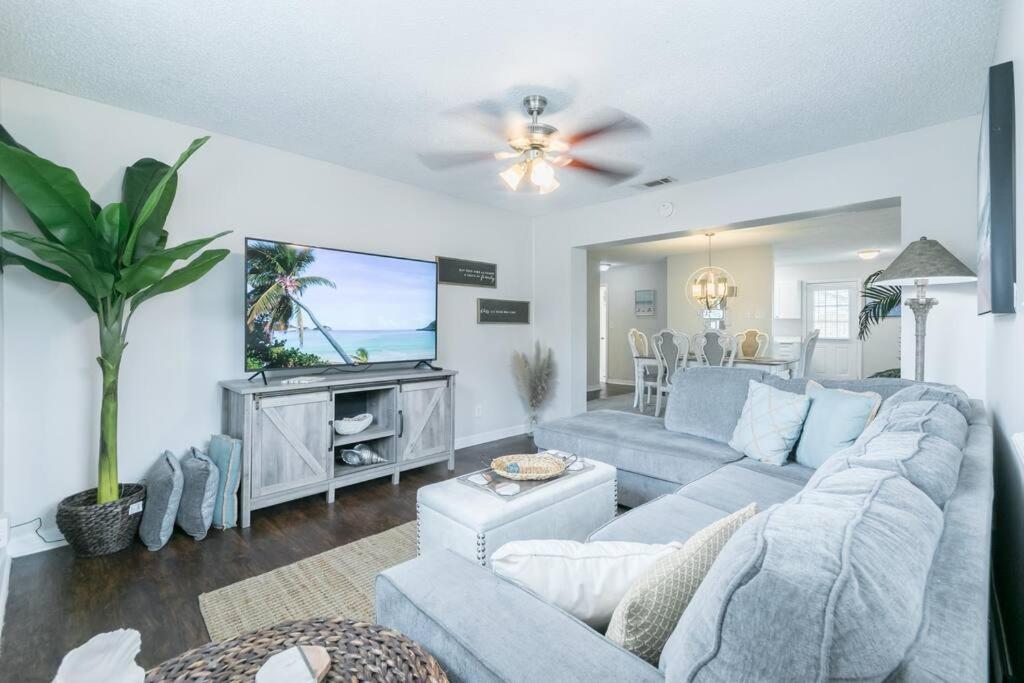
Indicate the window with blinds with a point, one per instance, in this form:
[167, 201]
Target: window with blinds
[830, 310]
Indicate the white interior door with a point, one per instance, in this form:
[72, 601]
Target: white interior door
[603, 352]
[831, 307]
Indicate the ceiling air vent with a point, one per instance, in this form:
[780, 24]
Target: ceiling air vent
[658, 182]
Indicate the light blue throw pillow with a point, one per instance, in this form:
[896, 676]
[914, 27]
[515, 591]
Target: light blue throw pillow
[226, 454]
[770, 423]
[164, 482]
[835, 420]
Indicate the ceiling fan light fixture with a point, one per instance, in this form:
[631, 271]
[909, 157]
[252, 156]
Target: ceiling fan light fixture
[542, 174]
[513, 175]
[550, 187]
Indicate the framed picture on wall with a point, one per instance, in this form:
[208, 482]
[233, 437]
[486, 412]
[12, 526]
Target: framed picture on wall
[997, 267]
[643, 302]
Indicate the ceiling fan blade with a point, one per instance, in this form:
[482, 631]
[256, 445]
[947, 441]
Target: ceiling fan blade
[612, 122]
[441, 161]
[607, 173]
[485, 114]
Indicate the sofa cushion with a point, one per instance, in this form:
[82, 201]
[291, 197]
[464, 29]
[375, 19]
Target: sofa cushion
[835, 420]
[663, 520]
[927, 417]
[635, 443]
[707, 402]
[734, 486]
[827, 586]
[943, 393]
[928, 462]
[770, 423]
[883, 386]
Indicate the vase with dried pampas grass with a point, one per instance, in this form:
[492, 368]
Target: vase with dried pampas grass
[534, 377]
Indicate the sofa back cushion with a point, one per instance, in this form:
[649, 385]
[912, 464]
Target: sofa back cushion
[928, 462]
[943, 393]
[883, 386]
[926, 417]
[707, 402]
[828, 585]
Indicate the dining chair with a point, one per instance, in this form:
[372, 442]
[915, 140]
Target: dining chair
[643, 381]
[752, 343]
[672, 349]
[715, 348]
[807, 353]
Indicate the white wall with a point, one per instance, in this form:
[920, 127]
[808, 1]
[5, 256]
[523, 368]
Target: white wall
[622, 282]
[932, 171]
[593, 322]
[751, 267]
[181, 344]
[881, 350]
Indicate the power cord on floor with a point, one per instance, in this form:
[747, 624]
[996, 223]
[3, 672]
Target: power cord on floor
[39, 526]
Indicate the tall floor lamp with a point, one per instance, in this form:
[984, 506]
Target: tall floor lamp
[922, 263]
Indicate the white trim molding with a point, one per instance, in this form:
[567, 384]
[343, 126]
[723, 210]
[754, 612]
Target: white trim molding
[5, 579]
[493, 435]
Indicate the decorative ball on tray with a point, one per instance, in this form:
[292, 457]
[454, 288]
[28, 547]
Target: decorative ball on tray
[347, 426]
[531, 466]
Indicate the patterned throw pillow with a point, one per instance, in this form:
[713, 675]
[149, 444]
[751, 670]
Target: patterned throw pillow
[653, 605]
[770, 423]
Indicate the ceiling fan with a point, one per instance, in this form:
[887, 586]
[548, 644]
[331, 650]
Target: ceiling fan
[539, 148]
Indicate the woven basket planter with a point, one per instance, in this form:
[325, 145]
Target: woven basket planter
[92, 529]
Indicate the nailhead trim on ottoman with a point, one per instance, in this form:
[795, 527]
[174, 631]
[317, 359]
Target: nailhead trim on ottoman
[359, 652]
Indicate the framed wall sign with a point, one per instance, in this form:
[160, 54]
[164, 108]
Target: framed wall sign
[502, 311]
[643, 302]
[456, 271]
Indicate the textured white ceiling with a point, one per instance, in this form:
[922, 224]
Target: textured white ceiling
[825, 238]
[722, 85]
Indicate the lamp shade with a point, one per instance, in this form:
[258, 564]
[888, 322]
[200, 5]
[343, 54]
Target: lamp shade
[926, 259]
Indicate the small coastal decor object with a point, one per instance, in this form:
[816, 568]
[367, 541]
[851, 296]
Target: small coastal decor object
[305, 664]
[347, 426]
[104, 658]
[531, 466]
[361, 454]
[533, 379]
[507, 488]
[301, 379]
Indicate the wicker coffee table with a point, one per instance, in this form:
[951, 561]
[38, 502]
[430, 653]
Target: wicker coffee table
[359, 652]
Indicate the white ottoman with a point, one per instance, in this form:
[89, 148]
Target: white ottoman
[475, 523]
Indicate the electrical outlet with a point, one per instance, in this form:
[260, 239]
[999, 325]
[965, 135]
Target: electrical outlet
[5, 531]
[478, 411]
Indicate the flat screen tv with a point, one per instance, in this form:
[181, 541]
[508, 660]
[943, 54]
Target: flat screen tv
[314, 307]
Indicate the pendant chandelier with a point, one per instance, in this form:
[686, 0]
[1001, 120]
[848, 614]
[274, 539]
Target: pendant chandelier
[710, 287]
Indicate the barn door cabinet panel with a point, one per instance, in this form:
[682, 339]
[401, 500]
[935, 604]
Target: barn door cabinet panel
[289, 446]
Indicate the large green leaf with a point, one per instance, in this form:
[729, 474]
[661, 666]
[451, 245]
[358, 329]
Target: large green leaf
[9, 258]
[52, 194]
[153, 199]
[186, 275]
[879, 302]
[140, 179]
[79, 267]
[149, 270]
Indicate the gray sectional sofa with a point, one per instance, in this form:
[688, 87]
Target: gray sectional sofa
[873, 567]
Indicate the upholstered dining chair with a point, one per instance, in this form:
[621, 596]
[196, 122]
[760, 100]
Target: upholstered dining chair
[644, 367]
[672, 349]
[807, 353]
[752, 343]
[715, 348]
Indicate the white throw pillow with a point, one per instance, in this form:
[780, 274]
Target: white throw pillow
[587, 580]
[770, 423]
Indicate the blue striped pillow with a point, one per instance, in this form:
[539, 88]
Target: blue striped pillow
[226, 453]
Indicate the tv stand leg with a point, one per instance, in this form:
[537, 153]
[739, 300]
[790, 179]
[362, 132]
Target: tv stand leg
[259, 373]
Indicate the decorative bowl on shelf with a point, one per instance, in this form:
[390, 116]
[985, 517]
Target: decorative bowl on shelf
[360, 455]
[530, 466]
[347, 426]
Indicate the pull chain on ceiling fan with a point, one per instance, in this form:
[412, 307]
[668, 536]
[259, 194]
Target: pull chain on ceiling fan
[539, 148]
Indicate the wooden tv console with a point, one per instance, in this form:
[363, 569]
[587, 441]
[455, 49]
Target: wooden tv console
[290, 449]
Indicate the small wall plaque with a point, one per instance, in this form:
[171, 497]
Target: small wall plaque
[502, 311]
[643, 302]
[456, 271]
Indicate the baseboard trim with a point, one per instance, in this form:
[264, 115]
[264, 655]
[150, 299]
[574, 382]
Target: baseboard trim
[594, 387]
[5, 579]
[620, 382]
[493, 435]
[27, 542]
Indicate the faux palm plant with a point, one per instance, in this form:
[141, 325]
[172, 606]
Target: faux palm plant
[879, 301]
[116, 257]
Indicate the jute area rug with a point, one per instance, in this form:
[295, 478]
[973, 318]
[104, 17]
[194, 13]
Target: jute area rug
[336, 583]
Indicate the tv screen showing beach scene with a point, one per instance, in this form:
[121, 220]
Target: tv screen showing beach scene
[313, 307]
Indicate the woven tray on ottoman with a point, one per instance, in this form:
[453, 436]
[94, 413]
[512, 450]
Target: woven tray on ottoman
[359, 652]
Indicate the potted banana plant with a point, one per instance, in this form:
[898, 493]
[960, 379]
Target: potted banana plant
[116, 258]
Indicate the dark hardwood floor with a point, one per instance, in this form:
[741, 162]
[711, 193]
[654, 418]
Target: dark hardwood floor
[58, 601]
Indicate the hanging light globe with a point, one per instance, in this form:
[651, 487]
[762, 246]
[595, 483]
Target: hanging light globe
[710, 287]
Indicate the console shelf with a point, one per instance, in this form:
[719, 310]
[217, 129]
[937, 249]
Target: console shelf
[289, 446]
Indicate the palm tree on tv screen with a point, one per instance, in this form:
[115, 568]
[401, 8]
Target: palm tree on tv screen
[275, 275]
